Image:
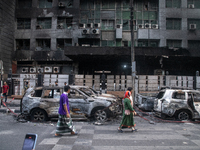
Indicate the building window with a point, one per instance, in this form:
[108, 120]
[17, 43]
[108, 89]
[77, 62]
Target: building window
[173, 3]
[43, 44]
[108, 43]
[193, 44]
[23, 23]
[126, 25]
[193, 4]
[108, 4]
[23, 44]
[174, 43]
[24, 3]
[67, 3]
[194, 24]
[173, 24]
[89, 4]
[64, 23]
[127, 43]
[45, 3]
[126, 4]
[62, 43]
[108, 24]
[43, 23]
[148, 43]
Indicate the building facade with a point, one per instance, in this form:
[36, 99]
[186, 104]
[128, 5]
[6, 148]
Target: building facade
[87, 37]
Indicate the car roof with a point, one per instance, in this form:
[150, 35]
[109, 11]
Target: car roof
[180, 90]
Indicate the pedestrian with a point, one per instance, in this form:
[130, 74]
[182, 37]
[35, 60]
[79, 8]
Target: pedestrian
[5, 90]
[128, 112]
[64, 112]
[131, 98]
[26, 87]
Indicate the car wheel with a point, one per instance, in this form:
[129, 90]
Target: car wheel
[100, 115]
[38, 115]
[183, 115]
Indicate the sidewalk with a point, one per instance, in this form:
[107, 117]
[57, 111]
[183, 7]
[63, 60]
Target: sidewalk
[13, 104]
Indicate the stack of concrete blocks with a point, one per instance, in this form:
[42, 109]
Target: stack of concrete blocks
[172, 81]
[79, 79]
[123, 81]
[129, 82]
[110, 82]
[46, 80]
[53, 79]
[89, 80]
[198, 82]
[96, 82]
[62, 78]
[142, 81]
[117, 83]
[152, 83]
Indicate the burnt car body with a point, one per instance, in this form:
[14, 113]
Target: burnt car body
[144, 102]
[42, 103]
[182, 104]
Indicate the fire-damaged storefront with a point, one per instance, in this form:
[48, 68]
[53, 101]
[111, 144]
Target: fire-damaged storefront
[149, 60]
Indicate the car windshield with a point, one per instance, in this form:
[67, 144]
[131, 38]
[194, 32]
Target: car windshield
[87, 91]
[160, 95]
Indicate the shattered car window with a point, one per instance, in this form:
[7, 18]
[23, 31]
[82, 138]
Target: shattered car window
[86, 91]
[37, 93]
[196, 97]
[52, 93]
[178, 95]
[160, 95]
[75, 94]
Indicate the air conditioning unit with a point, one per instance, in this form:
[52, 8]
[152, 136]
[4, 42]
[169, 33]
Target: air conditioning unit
[192, 26]
[86, 45]
[56, 69]
[61, 4]
[119, 26]
[81, 25]
[154, 26]
[95, 31]
[140, 26]
[90, 25]
[48, 69]
[38, 27]
[147, 25]
[32, 70]
[25, 70]
[86, 31]
[191, 6]
[97, 25]
[60, 26]
[40, 70]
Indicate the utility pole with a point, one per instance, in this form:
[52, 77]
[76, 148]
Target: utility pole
[133, 63]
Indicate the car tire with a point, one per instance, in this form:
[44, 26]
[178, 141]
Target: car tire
[38, 115]
[100, 115]
[183, 115]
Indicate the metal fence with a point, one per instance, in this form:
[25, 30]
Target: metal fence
[112, 82]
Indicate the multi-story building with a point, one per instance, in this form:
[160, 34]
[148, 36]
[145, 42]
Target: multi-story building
[79, 36]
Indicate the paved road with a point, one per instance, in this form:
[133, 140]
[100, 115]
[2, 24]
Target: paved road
[159, 136]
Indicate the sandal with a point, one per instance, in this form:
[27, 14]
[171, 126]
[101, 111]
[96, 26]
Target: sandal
[120, 130]
[134, 130]
[74, 133]
[57, 135]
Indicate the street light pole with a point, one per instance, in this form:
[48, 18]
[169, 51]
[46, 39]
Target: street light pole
[133, 63]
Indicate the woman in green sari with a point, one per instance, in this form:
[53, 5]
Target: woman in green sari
[128, 113]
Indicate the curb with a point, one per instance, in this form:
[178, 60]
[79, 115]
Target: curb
[5, 110]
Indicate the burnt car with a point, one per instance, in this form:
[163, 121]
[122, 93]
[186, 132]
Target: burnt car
[42, 103]
[178, 103]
